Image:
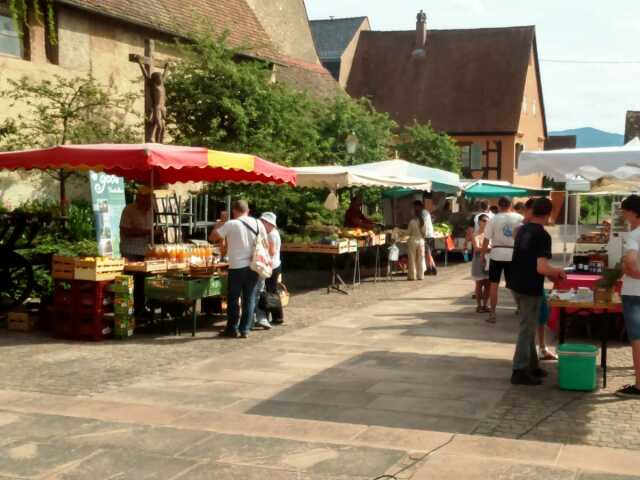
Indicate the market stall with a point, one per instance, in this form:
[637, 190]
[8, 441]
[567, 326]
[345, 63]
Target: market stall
[489, 189]
[177, 274]
[389, 174]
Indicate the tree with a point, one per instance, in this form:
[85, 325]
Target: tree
[66, 111]
[219, 100]
[422, 144]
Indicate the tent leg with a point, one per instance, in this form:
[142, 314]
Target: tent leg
[566, 225]
[152, 210]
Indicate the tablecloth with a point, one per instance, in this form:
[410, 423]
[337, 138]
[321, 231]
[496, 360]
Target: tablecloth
[573, 281]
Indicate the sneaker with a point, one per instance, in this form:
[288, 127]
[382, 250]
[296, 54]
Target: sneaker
[522, 377]
[547, 355]
[244, 335]
[539, 373]
[264, 324]
[629, 391]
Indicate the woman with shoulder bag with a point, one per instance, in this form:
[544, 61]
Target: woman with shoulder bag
[272, 284]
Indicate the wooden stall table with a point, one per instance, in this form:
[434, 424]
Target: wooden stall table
[607, 310]
[343, 247]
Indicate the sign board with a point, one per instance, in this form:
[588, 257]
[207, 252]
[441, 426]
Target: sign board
[108, 201]
[578, 185]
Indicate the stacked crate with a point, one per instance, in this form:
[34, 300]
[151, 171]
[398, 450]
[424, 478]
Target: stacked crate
[80, 309]
[124, 321]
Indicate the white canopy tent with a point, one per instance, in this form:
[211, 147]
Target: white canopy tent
[611, 170]
[389, 174]
[590, 163]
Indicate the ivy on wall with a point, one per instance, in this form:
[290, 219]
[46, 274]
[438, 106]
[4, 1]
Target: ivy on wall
[42, 11]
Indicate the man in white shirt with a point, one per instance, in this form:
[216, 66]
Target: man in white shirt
[500, 235]
[240, 235]
[429, 242]
[631, 290]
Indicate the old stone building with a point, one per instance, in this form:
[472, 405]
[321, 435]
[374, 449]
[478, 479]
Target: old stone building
[336, 40]
[97, 37]
[481, 86]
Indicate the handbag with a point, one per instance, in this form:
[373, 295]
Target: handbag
[283, 292]
[260, 260]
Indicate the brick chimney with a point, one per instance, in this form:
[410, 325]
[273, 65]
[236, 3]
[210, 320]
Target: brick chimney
[421, 35]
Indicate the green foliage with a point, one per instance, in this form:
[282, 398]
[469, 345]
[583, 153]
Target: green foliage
[594, 209]
[222, 103]
[61, 111]
[20, 9]
[74, 237]
[423, 145]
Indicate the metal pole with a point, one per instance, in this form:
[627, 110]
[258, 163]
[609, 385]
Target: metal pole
[229, 206]
[577, 216]
[566, 224]
[152, 209]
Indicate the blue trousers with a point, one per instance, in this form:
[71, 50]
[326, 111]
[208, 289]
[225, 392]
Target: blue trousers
[243, 283]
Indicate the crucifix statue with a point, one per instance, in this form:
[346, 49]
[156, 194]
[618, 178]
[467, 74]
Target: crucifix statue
[155, 110]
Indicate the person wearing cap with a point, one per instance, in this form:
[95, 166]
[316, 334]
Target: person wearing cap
[240, 236]
[631, 290]
[136, 226]
[269, 220]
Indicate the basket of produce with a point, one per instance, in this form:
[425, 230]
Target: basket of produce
[176, 288]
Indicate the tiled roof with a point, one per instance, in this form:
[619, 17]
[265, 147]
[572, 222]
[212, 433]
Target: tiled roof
[334, 35]
[309, 77]
[182, 18]
[468, 81]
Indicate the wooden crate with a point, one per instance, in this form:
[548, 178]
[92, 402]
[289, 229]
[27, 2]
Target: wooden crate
[63, 268]
[20, 321]
[148, 266]
[98, 269]
[294, 247]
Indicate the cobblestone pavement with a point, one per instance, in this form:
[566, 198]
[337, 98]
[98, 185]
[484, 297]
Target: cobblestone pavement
[38, 363]
[551, 415]
[399, 378]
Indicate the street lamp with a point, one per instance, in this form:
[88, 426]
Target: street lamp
[352, 143]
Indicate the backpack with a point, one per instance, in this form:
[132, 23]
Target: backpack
[260, 260]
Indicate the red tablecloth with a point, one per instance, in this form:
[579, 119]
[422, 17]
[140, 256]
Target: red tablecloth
[573, 281]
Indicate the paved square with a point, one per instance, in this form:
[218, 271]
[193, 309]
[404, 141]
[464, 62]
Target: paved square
[398, 377]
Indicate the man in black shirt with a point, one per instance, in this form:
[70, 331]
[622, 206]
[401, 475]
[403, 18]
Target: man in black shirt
[531, 255]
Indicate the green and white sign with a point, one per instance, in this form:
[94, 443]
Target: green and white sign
[108, 201]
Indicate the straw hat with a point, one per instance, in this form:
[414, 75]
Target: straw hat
[269, 217]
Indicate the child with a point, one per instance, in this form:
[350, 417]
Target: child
[479, 271]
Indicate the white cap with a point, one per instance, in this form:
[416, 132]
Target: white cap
[269, 217]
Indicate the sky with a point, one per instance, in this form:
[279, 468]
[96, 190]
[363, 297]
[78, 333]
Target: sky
[575, 94]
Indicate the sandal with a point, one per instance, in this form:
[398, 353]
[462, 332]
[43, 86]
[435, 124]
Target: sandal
[492, 318]
[486, 309]
[478, 309]
[547, 355]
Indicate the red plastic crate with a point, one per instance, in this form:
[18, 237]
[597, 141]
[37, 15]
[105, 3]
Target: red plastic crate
[91, 328]
[63, 294]
[92, 294]
[62, 322]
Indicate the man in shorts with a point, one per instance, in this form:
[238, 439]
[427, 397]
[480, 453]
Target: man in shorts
[631, 290]
[500, 235]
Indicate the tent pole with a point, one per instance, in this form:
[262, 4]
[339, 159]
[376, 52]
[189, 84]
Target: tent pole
[566, 224]
[577, 216]
[152, 209]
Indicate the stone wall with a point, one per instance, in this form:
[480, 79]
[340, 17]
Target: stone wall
[287, 24]
[86, 44]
